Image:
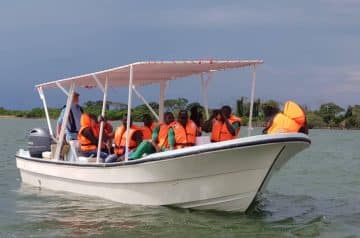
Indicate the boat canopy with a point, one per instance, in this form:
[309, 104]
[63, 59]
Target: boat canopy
[139, 74]
[149, 72]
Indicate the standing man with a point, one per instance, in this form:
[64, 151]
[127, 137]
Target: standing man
[73, 125]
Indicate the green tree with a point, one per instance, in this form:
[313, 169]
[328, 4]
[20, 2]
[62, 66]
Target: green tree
[353, 121]
[240, 106]
[173, 105]
[93, 107]
[314, 120]
[270, 108]
[256, 108]
[329, 111]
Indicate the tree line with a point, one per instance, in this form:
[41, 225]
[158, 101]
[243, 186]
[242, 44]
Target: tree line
[328, 115]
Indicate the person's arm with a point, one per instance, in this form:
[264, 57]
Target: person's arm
[171, 139]
[138, 137]
[59, 123]
[207, 125]
[155, 134]
[235, 126]
[90, 136]
[228, 125]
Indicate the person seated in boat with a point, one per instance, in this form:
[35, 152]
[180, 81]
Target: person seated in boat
[184, 131]
[149, 126]
[108, 134]
[136, 137]
[88, 136]
[73, 125]
[292, 119]
[224, 125]
[197, 117]
[161, 139]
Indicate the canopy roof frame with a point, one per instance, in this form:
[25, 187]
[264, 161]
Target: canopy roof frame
[145, 74]
[150, 72]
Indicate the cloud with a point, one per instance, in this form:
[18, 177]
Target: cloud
[280, 14]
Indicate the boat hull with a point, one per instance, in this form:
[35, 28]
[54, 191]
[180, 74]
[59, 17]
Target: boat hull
[224, 176]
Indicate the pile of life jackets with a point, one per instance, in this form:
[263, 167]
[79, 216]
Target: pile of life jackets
[291, 120]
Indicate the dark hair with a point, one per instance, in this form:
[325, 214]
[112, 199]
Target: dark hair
[147, 116]
[183, 113]
[226, 107]
[168, 113]
[196, 115]
[92, 117]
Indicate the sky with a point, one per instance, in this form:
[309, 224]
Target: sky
[310, 48]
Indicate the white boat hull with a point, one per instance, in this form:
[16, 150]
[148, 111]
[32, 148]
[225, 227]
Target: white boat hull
[222, 176]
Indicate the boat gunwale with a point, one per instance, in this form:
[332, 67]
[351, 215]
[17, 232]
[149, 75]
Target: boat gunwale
[238, 144]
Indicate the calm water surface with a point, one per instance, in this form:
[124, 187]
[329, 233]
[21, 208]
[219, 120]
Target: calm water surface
[316, 194]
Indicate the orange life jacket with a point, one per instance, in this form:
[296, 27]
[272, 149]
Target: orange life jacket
[107, 130]
[184, 137]
[85, 143]
[163, 136]
[220, 132]
[120, 139]
[147, 132]
[291, 120]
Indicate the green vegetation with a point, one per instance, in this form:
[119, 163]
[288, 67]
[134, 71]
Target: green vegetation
[329, 115]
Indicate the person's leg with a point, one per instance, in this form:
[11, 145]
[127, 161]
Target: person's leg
[91, 153]
[145, 147]
[103, 155]
[111, 158]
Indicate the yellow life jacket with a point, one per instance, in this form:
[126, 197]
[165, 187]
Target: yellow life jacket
[291, 120]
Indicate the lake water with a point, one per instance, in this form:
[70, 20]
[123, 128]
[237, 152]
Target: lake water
[316, 194]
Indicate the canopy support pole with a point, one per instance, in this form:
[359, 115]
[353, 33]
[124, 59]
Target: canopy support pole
[62, 88]
[145, 102]
[42, 97]
[65, 121]
[204, 87]
[250, 128]
[104, 89]
[129, 113]
[161, 101]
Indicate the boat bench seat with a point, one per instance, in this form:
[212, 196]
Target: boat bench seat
[72, 155]
[200, 140]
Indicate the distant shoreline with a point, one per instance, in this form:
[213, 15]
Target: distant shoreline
[8, 116]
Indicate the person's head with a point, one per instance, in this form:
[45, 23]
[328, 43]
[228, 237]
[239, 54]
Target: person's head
[93, 119]
[75, 99]
[196, 115]
[168, 118]
[147, 119]
[216, 113]
[183, 117]
[226, 111]
[124, 120]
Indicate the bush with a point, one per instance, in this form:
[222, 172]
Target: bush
[314, 120]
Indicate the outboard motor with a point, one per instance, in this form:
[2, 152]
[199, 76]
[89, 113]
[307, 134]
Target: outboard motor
[39, 141]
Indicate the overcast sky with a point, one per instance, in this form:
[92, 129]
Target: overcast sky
[311, 48]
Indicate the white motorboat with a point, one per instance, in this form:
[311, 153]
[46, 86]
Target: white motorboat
[224, 176]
